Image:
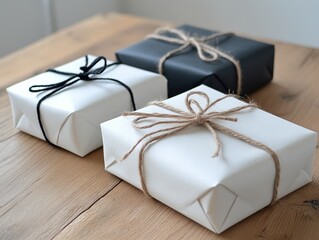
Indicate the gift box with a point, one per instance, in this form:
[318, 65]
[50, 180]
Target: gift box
[71, 117]
[185, 70]
[215, 191]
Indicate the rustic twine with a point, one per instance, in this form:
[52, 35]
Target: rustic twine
[205, 51]
[182, 120]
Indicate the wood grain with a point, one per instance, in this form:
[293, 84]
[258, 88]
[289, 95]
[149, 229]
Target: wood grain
[49, 193]
[126, 212]
[43, 188]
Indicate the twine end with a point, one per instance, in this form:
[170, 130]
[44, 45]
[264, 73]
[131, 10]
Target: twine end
[119, 160]
[122, 158]
[273, 202]
[215, 154]
[125, 114]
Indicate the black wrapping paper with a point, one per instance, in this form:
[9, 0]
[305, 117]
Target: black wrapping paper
[186, 70]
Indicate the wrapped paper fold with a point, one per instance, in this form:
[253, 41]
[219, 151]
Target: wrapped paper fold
[218, 192]
[71, 118]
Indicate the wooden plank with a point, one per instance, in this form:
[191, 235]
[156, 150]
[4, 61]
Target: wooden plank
[293, 94]
[127, 214]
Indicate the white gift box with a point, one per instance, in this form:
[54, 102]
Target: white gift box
[218, 192]
[72, 117]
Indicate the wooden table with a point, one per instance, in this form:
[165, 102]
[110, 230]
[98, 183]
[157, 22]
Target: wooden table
[49, 193]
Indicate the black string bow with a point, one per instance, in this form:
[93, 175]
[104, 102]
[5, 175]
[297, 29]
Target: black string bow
[87, 74]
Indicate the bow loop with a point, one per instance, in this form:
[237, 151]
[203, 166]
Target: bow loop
[192, 101]
[87, 69]
[205, 51]
[174, 35]
[95, 62]
[47, 87]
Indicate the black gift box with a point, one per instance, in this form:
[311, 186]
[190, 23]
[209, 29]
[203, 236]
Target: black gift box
[186, 70]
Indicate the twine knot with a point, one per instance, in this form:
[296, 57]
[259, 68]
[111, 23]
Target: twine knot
[84, 76]
[205, 51]
[197, 114]
[199, 119]
[193, 42]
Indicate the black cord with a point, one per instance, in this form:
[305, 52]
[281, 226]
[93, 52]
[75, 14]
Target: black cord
[73, 78]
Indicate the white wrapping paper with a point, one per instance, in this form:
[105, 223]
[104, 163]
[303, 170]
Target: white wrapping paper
[72, 117]
[215, 192]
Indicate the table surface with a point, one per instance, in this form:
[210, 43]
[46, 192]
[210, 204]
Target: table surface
[49, 193]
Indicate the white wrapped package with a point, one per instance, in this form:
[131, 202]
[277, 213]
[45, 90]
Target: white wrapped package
[216, 192]
[71, 118]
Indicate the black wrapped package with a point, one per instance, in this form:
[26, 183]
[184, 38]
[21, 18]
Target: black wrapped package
[185, 70]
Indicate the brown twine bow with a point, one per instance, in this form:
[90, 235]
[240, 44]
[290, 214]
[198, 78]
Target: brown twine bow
[205, 51]
[182, 120]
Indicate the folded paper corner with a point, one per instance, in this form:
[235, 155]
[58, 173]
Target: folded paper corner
[216, 204]
[78, 143]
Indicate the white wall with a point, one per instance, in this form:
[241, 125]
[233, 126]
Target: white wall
[66, 12]
[20, 24]
[25, 21]
[293, 21]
